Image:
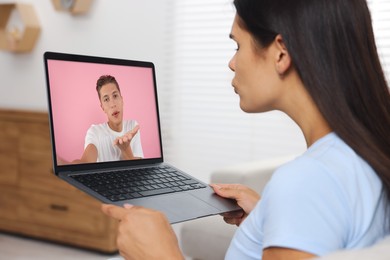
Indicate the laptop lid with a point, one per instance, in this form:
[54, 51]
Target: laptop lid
[74, 106]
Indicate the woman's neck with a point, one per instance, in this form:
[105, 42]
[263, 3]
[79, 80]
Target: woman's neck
[301, 108]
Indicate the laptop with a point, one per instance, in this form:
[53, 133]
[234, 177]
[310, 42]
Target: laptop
[75, 112]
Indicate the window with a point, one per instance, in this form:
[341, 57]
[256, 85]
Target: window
[380, 14]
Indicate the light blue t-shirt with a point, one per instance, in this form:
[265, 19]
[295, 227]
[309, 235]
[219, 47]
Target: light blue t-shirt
[327, 199]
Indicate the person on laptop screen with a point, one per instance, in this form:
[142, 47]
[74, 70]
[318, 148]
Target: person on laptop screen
[116, 139]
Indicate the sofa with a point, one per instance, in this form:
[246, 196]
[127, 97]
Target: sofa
[208, 238]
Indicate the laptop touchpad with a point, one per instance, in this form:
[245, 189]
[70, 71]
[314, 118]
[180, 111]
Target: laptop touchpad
[177, 206]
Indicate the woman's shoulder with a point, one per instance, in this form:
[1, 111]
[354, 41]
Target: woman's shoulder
[329, 156]
[302, 171]
[328, 186]
[329, 162]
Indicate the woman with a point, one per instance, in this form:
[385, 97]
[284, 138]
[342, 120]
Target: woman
[317, 62]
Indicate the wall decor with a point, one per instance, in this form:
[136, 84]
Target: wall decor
[73, 6]
[19, 27]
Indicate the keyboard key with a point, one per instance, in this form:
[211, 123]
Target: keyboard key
[156, 192]
[135, 195]
[198, 186]
[189, 182]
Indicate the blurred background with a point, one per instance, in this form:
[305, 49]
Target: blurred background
[202, 125]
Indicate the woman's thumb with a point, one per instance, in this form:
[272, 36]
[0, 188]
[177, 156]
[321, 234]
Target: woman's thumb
[225, 191]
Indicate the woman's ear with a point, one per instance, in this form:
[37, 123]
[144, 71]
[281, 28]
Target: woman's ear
[282, 59]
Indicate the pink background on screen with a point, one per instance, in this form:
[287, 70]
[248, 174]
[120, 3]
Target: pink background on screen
[75, 104]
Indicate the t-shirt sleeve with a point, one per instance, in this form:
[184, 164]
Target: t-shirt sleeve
[91, 137]
[304, 209]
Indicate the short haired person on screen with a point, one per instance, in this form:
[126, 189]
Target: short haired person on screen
[317, 62]
[116, 139]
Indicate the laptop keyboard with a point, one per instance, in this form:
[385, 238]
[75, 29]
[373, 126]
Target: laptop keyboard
[137, 183]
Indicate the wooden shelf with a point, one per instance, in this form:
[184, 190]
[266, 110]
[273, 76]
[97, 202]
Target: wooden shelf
[19, 27]
[72, 6]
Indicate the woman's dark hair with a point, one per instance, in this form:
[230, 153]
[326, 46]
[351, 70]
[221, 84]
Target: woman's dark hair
[105, 79]
[332, 46]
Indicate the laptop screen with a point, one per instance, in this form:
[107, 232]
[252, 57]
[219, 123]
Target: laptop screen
[95, 106]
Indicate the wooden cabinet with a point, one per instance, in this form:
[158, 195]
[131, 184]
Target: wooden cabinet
[34, 202]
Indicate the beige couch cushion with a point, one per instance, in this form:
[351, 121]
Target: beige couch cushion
[206, 238]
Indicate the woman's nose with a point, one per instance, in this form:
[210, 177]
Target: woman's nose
[232, 63]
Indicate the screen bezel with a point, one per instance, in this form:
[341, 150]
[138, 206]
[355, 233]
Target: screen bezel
[98, 60]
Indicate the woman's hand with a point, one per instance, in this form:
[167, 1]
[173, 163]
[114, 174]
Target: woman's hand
[143, 233]
[246, 198]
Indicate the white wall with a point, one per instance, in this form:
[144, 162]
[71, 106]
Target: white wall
[130, 29]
